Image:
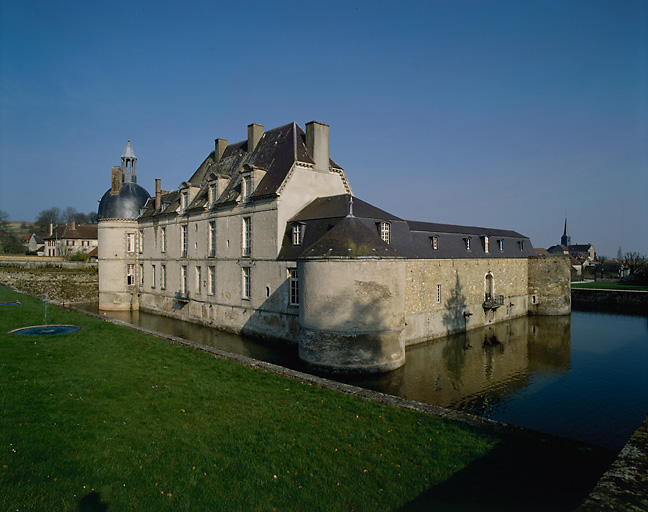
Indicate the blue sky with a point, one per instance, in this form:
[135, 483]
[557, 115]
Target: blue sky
[499, 114]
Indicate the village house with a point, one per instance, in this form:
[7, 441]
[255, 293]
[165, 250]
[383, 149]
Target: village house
[266, 238]
[66, 239]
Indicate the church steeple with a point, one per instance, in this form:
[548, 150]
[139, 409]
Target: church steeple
[129, 164]
[565, 239]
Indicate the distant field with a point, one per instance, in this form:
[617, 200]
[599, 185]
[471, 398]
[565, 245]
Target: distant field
[605, 285]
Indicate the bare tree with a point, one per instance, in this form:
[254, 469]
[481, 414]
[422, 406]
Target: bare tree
[47, 217]
[635, 261]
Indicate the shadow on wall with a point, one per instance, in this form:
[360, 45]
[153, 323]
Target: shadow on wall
[270, 322]
[454, 319]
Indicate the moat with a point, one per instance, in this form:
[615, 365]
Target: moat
[582, 377]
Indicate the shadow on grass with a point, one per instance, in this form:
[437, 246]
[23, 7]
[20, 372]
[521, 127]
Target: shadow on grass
[521, 474]
[92, 503]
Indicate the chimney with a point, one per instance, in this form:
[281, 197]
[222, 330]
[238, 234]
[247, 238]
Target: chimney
[255, 132]
[51, 229]
[73, 226]
[220, 146]
[116, 182]
[158, 193]
[317, 144]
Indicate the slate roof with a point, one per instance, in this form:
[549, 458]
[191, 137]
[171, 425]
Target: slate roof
[328, 232]
[276, 152]
[126, 204]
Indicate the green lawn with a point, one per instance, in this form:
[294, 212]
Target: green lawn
[108, 418]
[610, 285]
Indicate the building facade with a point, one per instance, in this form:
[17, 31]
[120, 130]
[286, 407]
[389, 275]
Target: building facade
[67, 239]
[267, 239]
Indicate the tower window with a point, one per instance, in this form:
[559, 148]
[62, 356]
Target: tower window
[246, 236]
[245, 290]
[293, 280]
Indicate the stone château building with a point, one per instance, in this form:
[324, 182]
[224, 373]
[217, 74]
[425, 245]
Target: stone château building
[267, 239]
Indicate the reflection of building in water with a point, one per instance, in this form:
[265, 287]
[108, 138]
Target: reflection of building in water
[482, 365]
[266, 238]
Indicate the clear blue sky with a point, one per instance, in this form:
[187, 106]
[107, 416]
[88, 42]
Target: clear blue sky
[499, 114]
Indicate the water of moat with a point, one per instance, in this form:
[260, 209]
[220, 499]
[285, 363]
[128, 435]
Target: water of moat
[584, 377]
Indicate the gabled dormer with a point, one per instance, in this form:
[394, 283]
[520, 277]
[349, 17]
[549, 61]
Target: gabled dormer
[187, 194]
[250, 178]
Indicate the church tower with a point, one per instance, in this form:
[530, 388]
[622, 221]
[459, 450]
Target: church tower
[565, 239]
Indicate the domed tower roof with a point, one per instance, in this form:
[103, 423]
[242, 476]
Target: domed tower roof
[126, 204]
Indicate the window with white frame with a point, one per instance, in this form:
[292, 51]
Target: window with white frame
[140, 245]
[163, 240]
[245, 285]
[293, 282]
[486, 244]
[434, 240]
[297, 233]
[183, 278]
[212, 280]
[163, 277]
[198, 278]
[152, 276]
[246, 236]
[467, 242]
[385, 228]
[130, 242]
[184, 241]
[212, 239]
[130, 274]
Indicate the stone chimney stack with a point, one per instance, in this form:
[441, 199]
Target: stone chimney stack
[255, 132]
[73, 226]
[317, 144]
[220, 146]
[116, 183]
[158, 193]
[51, 229]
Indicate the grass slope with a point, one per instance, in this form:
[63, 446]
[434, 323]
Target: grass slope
[112, 419]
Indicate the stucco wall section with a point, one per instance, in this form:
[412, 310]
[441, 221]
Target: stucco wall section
[549, 285]
[447, 296]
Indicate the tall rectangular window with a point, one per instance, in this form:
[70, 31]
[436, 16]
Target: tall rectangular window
[500, 244]
[434, 240]
[385, 232]
[152, 276]
[212, 239]
[163, 276]
[246, 186]
[198, 278]
[486, 244]
[141, 274]
[293, 281]
[245, 289]
[297, 231]
[141, 241]
[467, 242]
[212, 281]
[184, 241]
[183, 278]
[212, 194]
[521, 245]
[130, 242]
[130, 274]
[163, 240]
[246, 235]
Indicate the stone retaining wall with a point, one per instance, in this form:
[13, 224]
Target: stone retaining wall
[61, 285]
[616, 297]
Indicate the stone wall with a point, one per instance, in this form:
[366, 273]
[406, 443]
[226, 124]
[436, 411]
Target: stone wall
[609, 297]
[549, 285]
[60, 285]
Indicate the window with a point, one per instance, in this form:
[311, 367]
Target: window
[130, 242]
[438, 295]
[184, 200]
[247, 231]
[212, 239]
[245, 291]
[521, 245]
[500, 244]
[152, 276]
[434, 240]
[467, 242]
[141, 241]
[183, 278]
[163, 276]
[163, 240]
[486, 244]
[141, 276]
[384, 228]
[212, 194]
[293, 280]
[246, 188]
[130, 274]
[297, 232]
[184, 241]
[212, 281]
[198, 277]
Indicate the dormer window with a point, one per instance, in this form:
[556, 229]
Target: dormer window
[521, 245]
[467, 242]
[184, 200]
[246, 188]
[486, 244]
[434, 241]
[385, 231]
[500, 244]
[212, 194]
[297, 234]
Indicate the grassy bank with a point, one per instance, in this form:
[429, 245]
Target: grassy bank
[610, 285]
[112, 417]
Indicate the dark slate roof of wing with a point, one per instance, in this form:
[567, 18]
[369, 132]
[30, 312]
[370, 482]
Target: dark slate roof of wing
[349, 238]
[432, 227]
[339, 206]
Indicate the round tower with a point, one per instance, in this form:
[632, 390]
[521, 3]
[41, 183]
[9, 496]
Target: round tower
[118, 236]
